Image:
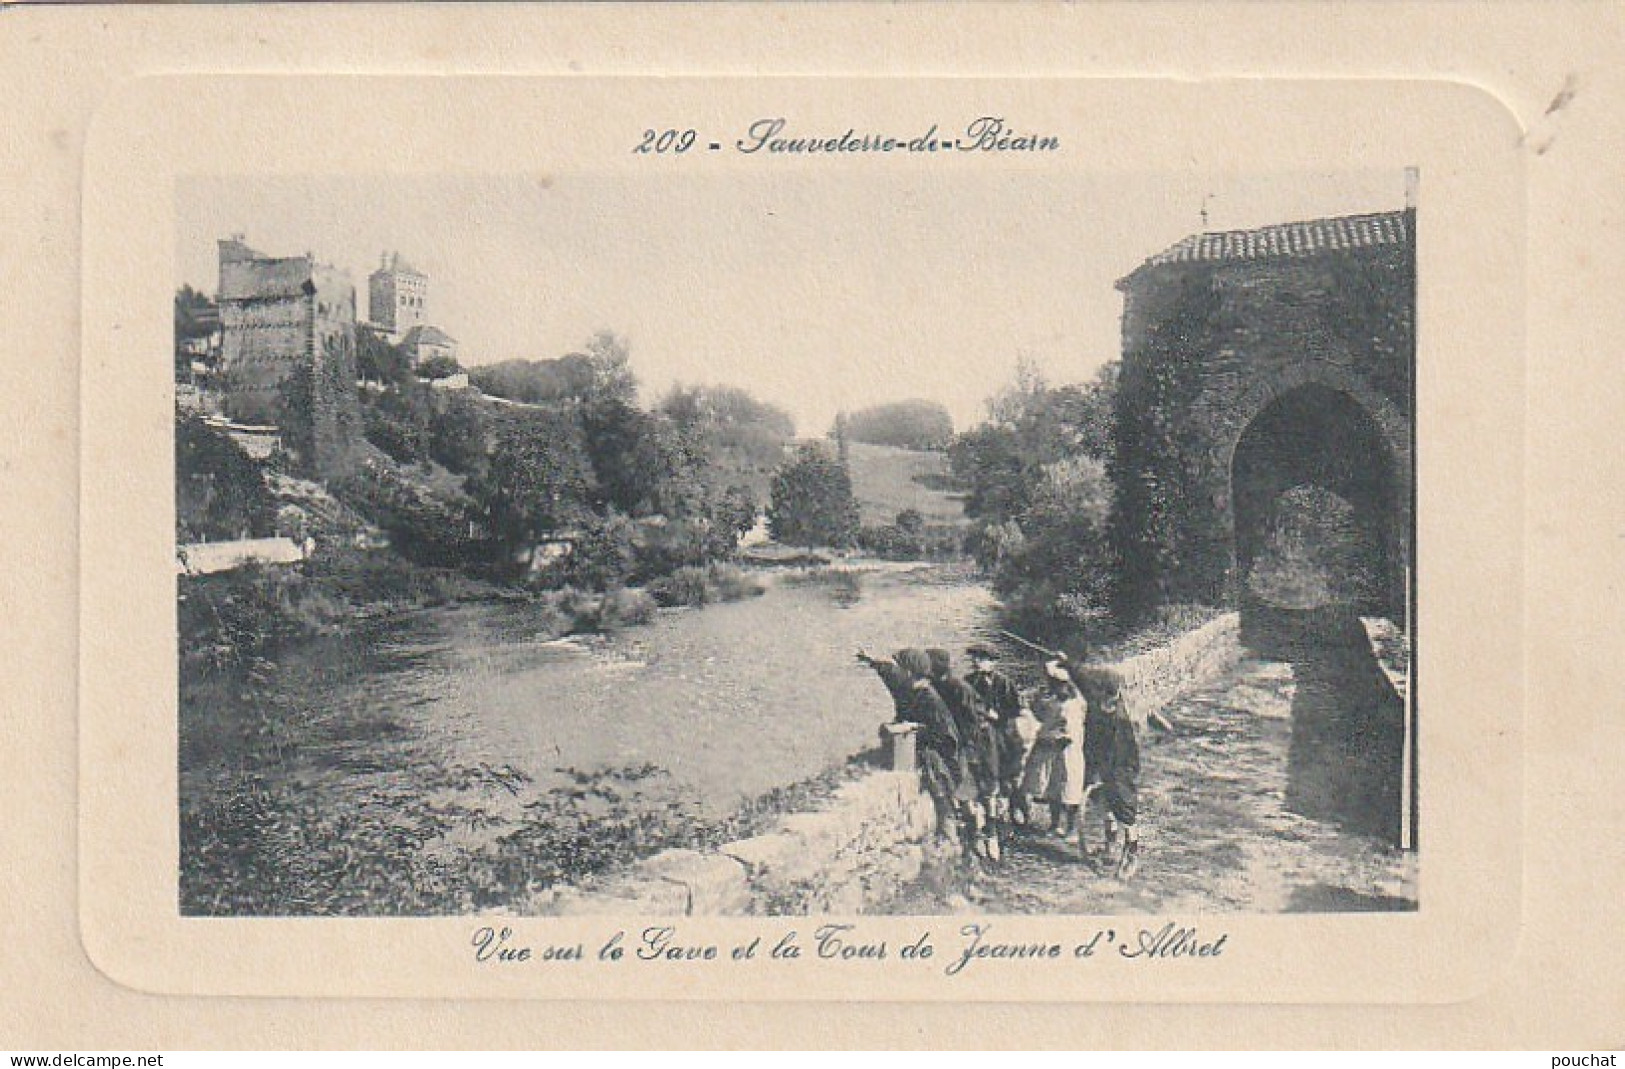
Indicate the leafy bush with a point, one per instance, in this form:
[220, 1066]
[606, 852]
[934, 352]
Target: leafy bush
[457, 433]
[695, 586]
[812, 501]
[378, 361]
[732, 583]
[603, 555]
[439, 367]
[890, 542]
[539, 479]
[229, 621]
[896, 542]
[625, 607]
[220, 491]
[424, 525]
[689, 585]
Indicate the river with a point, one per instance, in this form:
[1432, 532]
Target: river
[682, 720]
[731, 700]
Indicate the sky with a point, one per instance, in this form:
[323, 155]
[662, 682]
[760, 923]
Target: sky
[815, 291]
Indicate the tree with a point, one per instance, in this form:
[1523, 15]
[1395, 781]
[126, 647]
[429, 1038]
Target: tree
[634, 461]
[609, 356]
[919, 425]
[221, 492]
[296, 415]
[539, 479]
[1037, 477]
[398, 421]
[376, 360]
[457, 433]
[812, 502]
[439, 367]
[1054, 565]
[990, 463]
[740, 437]
[1032, 424]
[195, 317]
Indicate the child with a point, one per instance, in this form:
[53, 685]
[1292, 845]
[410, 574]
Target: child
[1056, 767]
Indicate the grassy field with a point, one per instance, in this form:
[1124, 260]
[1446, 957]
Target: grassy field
[884, 480]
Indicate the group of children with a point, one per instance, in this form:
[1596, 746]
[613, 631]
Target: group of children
[986, 752]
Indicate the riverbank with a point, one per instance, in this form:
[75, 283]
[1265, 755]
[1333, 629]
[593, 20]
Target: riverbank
[235, 621]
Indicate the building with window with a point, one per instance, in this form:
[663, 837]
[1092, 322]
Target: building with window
[397, 297]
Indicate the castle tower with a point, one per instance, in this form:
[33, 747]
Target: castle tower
[397, 295]
[279, 315]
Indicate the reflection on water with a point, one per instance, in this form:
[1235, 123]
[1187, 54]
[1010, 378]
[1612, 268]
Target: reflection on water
[732, 700]
[1346, 755]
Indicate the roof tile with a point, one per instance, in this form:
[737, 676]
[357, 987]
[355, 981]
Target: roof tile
[1305, 238]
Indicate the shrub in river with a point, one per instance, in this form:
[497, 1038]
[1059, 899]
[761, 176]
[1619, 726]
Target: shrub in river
[732, 583]
[693, 585]
[623, 607]
[689, 585]
[374, 576]
[550, 619]
[579, 607]
[229, 620]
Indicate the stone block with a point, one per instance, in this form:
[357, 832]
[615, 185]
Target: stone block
[905, 787]
[627, 898]
[864, 801]
[715, 884]
[900, 741]
[822, 833]
[774, 855]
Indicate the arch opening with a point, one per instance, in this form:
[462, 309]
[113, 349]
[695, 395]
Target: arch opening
[1317, 508]
[1320, 540]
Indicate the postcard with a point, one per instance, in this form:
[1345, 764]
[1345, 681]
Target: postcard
[1018, 548]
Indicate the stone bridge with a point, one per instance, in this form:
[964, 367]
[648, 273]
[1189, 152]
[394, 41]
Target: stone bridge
[1256, 362]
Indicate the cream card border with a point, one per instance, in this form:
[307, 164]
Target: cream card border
[1469, 724]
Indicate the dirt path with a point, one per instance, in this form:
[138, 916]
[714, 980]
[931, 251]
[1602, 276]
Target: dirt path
[1222, 804]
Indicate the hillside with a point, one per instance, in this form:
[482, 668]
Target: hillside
[884, 480]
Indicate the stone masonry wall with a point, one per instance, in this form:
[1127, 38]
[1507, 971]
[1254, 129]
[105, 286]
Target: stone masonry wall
[1207, 347]
[874, 836]
[1156, 677]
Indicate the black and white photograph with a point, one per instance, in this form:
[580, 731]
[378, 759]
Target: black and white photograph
[873, 542]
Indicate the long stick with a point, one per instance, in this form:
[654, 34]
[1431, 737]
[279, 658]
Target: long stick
[1035, 647]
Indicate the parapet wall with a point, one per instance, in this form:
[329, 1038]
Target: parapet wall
[1156, 677]
[874, 835]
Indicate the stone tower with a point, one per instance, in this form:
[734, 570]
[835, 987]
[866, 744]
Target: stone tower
[279, 315]
[397, 297]
[1255, 361]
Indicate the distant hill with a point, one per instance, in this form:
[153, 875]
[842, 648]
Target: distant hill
[884, 481]
[916, 424]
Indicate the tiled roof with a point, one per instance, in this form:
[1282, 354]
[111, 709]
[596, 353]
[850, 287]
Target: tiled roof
[428, 336]
[1307, 238]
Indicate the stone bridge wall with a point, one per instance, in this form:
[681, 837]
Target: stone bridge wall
[874, 836]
